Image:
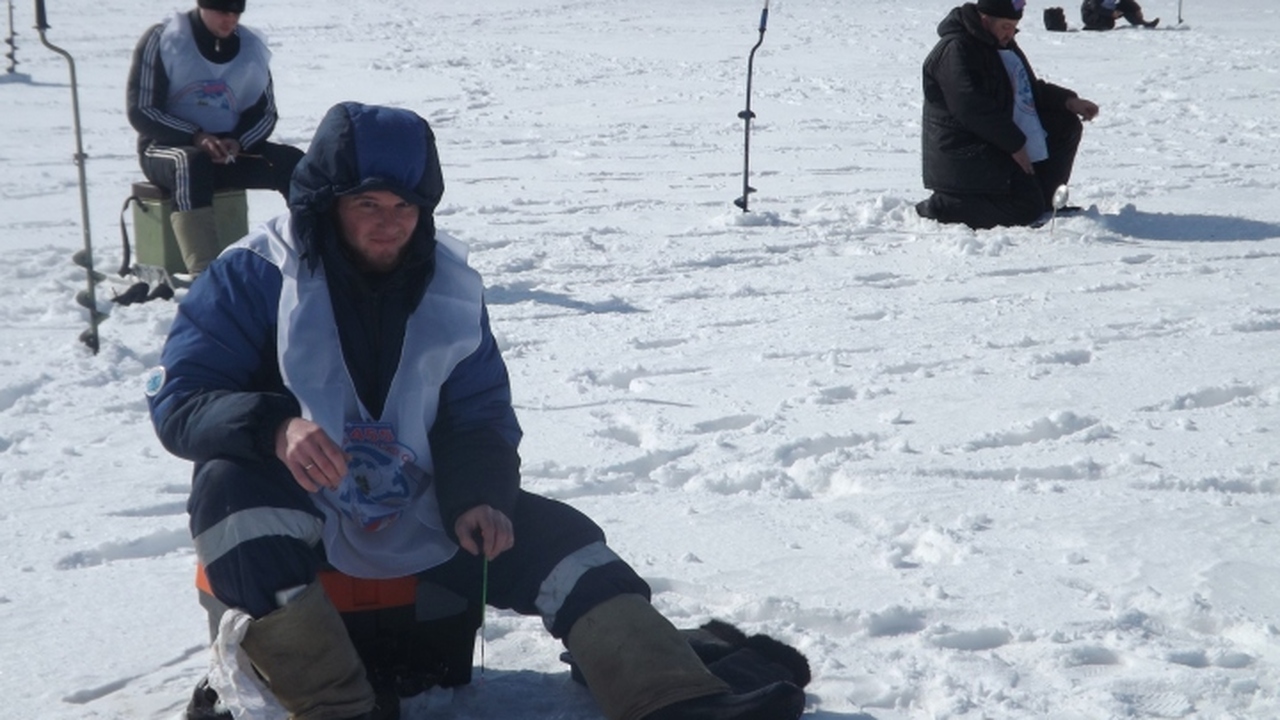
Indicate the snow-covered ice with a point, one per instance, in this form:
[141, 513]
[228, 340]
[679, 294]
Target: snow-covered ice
[1002, 474]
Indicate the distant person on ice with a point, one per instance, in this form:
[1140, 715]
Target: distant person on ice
[348, 329]
[1102, 14]
[996, 140]
[200, 97]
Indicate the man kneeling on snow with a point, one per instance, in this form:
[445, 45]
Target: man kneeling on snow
[334, 378]
[997, 141]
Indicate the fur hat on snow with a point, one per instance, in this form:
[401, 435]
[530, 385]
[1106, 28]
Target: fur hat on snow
[231, 6]
[1009, 9]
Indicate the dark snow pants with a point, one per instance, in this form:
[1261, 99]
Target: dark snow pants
[256, 532]
[1029, 196]
[191, 176]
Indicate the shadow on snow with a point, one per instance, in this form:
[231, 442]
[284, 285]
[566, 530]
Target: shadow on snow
[1171, 226]
[515, 293]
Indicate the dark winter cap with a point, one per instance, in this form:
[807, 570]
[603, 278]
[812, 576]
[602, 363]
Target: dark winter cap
[231, 6]
[1008, 9]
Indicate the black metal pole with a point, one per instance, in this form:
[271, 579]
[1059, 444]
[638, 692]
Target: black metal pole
[13, 46]
[747, 116]
[87, 298]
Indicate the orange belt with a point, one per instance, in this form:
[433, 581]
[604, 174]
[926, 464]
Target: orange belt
[351, 594]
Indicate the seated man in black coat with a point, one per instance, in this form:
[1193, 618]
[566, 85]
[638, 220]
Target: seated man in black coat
[1102, 14]
[997, 141]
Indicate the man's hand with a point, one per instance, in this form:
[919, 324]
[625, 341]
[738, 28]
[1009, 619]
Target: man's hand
[1024, 160]
[312, 457]
[231, 148]
[222, 150]
[1086, 109]
[493, 529]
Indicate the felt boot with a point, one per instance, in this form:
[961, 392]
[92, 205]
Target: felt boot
[635, 661]
[197, 234]
[305, 655]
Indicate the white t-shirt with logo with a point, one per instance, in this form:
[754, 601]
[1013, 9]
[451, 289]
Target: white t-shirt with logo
[1024, 106]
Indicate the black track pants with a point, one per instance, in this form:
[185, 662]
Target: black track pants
[192, 177]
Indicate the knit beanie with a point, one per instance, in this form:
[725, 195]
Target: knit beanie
[231, 6]
[1010, 9]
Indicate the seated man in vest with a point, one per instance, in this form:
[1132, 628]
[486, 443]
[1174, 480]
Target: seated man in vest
[997, 141]
[200, 97]
[335, 380]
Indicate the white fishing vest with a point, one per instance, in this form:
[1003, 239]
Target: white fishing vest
[441, 332]
[208, 94]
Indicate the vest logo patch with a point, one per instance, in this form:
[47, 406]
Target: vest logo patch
[154, 380]
[381, 477]
[209, 93]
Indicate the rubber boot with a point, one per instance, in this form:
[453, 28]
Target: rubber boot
[635, 661]
[197, 234]
[304, 653]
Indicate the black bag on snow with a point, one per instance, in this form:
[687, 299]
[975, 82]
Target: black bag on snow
[1055, 19]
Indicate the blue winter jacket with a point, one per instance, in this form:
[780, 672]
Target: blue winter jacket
[221, 392]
